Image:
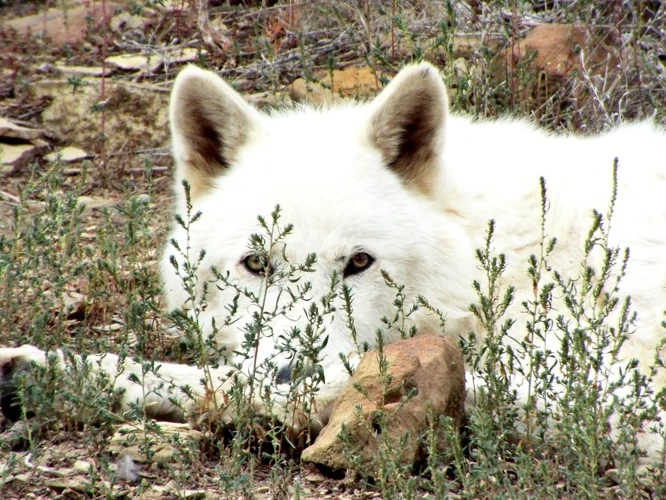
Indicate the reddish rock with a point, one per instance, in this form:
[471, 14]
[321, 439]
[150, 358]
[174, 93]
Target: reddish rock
[558, 50]
[429, 366]
[63, 26]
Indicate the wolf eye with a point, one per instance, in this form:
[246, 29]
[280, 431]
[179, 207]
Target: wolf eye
[255, 264]
[357, 264]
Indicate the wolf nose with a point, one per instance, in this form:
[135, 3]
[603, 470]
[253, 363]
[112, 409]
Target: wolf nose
[284, 375]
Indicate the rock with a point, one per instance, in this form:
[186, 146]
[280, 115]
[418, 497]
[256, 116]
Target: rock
[552, 55]
[66, 25]
[152, 62]
[133, 62]
[9, 129]
[83, 70]
[84, 466]
[69, 154]
[14, 157]
[348, 82]
[314, 478]
[558, 51]
[126, 440]
[134, 115]
[172, 5]
[126, 21]
[74, 304]
[181, 56]
[353, 82]
[78, 484]
[18, 146]
[96, 202]
[430, 365]
[174, 489]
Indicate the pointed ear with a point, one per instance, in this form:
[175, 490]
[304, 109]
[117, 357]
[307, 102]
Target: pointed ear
[407, 125]
[210, 121]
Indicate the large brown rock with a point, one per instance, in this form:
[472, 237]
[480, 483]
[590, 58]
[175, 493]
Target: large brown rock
[552, 69]
[19, 146]
[429, 366]
[559, 49]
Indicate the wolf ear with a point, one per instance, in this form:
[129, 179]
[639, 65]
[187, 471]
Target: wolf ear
[210, 121]
[407, 125]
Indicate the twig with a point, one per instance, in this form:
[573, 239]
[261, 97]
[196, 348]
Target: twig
[10, 197]
[48, 470]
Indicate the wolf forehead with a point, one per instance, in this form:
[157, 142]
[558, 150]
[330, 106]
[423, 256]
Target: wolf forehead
[332, 217]
[320, 158]
[214, 130]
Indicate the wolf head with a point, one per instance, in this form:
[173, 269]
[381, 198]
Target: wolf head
[361, 186]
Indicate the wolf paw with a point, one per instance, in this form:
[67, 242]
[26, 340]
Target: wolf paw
[13, 361]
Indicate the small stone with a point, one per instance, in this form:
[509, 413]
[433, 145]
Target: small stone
[180, 56]
[613, 475]
[173, 487]
[45, 68]
[15, 156]
[69, 154]
[74, 304]
[95, 203]
[94, 71]
[314, 478]
[83, 466]
[133, 62]
[126, 21]
[153, 62]
[109, 328]
[77, 483]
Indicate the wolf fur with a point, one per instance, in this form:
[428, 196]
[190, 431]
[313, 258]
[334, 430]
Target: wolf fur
[413, 186]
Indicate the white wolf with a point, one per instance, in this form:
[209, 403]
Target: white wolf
[400, 185]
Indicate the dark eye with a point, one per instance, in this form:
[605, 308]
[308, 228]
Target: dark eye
[256, 264]
[357, 264]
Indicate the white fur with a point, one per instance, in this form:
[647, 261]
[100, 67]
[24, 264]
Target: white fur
[333, 185]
